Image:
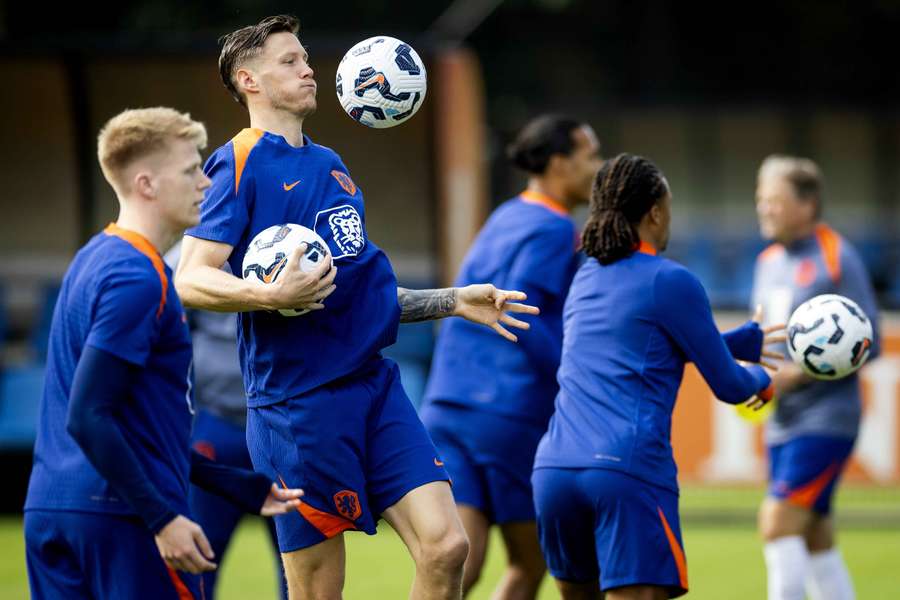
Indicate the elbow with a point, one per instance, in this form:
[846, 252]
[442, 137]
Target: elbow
[183, 289]
[76, 429]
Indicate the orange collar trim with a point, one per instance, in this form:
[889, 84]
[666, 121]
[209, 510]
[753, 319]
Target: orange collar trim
[544, 200]
[137, 239]
[143, 245]
[646, 248]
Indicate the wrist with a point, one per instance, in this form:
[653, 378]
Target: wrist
[455, 299]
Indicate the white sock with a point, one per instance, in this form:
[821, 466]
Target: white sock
[828, 578]
[787, 563]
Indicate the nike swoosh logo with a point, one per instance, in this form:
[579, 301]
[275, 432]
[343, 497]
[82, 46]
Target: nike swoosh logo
[270, 276]
[379, 78]
[438, 463]
[287, 187]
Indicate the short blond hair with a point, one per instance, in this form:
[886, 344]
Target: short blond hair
[803, 174]
[136, 133]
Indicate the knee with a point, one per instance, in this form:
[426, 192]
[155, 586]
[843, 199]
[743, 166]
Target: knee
[446, 553]
[779, 519]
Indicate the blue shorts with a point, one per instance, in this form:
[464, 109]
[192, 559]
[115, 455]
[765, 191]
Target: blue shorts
[805, 470]
[77, 555]
[489, 458]
[600, 523]
[224, 442]
[356, 446]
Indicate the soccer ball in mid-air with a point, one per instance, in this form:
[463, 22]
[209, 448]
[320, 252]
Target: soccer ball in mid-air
[381, 82]
[829, 336]
[270, 250]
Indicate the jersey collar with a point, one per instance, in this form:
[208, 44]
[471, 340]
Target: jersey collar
[645, 248]
[533, 197]
[133, 237]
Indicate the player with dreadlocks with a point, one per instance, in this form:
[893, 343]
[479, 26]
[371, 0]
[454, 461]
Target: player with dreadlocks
[604, 476]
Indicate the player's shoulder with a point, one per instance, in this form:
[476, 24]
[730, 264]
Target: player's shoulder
[324, 152]
[770, 253]
[669, 275]
[120, 257]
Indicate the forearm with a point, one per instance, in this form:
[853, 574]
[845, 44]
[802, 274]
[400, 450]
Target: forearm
[213, 289]
[101, 382]
[245, 489]
[745, 342]
[426, 305]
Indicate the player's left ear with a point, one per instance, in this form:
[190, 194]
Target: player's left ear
[245, 81]
[143, 185]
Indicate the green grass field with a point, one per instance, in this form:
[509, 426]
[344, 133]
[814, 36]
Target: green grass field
[724, 553]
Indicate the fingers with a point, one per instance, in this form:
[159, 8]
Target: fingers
[286, 494]
[774, 339]
[203, 544]
[772, 328]
[522, 308]
[773, 354]
[297, 254]
[758, 314]
[513, 322]
[768, 365]
[325, 272]
[499, 329]
[501, 297]
[324, 293]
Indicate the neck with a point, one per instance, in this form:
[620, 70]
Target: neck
[648, 236]
[152, 228]
[287, 125]
[801, 233]
[543, 185]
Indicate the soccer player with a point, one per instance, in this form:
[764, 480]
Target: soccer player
[815, 423]
[604, 477]
[488, 402]
[326, 411]
[220, 422]
[106, 511]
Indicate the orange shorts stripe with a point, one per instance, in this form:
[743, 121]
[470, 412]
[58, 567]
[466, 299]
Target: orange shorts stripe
[329, 525]
[677, 552]
[806, 495]
[183, 592]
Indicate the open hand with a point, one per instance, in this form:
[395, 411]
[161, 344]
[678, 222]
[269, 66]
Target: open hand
[485, 304]
[773, 334]
[280, 501]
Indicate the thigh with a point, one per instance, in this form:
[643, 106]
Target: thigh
[424, 515]
[565, 527]
[54, 570]
[804, 472]
[522, 547]
[316, 572]
[637, 532]
[400, 456]
[118, 558]
[507, 450]
[305, 443]
[467, 478]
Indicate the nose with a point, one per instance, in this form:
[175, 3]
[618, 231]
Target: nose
[205, 182]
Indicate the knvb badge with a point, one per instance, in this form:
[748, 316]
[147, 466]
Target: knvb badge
[345, 228]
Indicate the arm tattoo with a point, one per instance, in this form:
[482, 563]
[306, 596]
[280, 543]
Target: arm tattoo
[425, 305]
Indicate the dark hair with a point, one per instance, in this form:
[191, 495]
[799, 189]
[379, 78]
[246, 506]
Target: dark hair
[246, 43]
[540, 139]
[625, 189]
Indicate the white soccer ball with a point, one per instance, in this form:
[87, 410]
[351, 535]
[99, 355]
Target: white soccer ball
[381, 82]
[829, 336]
[269, 251]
